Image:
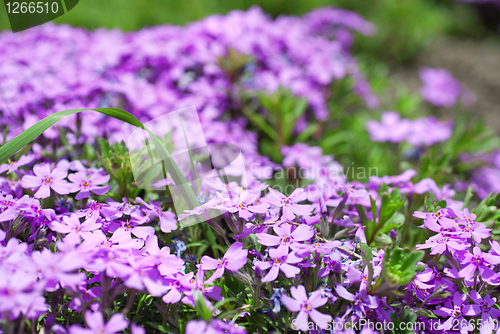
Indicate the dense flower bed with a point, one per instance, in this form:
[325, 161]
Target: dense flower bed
[299, 246]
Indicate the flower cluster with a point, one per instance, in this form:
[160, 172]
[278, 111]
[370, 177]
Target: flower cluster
[441, 89]
[425, 131]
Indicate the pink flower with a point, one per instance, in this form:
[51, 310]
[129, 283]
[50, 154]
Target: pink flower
[234, 259]
[96, 324]
[243, 207]
[306, 308]
[85, 185]
[290, 208]
[72, 225]
[281, 260]
[44, 179]
[285, 237]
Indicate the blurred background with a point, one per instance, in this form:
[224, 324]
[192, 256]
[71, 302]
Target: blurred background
[462, 37]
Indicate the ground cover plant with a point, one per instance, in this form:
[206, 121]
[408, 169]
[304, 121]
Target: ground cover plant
[348, 217]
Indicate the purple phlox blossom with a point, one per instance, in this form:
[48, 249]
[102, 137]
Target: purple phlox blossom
[391, 128]
[45, 179]
[17, 295]
[95, 322]
[427, 131]
[58, 268]
[375, 182]
[485, 308]
[145, 275]
[301, 154]
[14, 165]
[440, 224]
[215, 326]
[280, 260]
[234, 259]
[84, 185]
[440, 242]
[133, 226]
[429, 185]
[286, 238]
[125, 207]
[354, 275]
[246, 205]
[177, 284]
[453, 311]
[96, 210]
[72, 225]
[363, 305]
[251, 228]
[441, 89]
[168, 264]
[290, 208]
[332, 263]
[471, 229]
[8, 208]
[306, 307]
[478, 261]
[315, 246]
[198, 284]
[168, 223]
[118, 242]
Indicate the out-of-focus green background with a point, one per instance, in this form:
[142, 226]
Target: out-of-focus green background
[404, 26]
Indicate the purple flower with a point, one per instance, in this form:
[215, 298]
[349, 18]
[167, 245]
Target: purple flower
[440, 88]
[44, 180]
[290, 208]
[391, 128]
[234, 259]
[485, 308]
[72, 225]
[442, 242]
[281, 260]
[478, 261]
[215, 326]
[243, 207]
[306, 308]
[285, 238]
[95, 322]
[85, 185]
[301, 154]
[454, 314]
[168, 223]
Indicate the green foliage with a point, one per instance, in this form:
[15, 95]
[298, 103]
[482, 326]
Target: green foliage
[387, 220]
[116, 161]
[399, 269]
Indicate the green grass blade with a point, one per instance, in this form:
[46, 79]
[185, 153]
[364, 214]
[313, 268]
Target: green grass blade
[25, 137]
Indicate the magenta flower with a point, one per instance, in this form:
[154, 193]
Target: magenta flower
[478, 261]
[391, 128]
[442, 242]
[85, 185]
[281, 260]
[306, 308]
[44, 180]
[215, 326]
[72, 225]
[285, 237]
[440, 88]
[290, 208]
[486, 309]
[453, 311]
[95, 322]
[245, 208]
[168, 223]
[234, 259]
